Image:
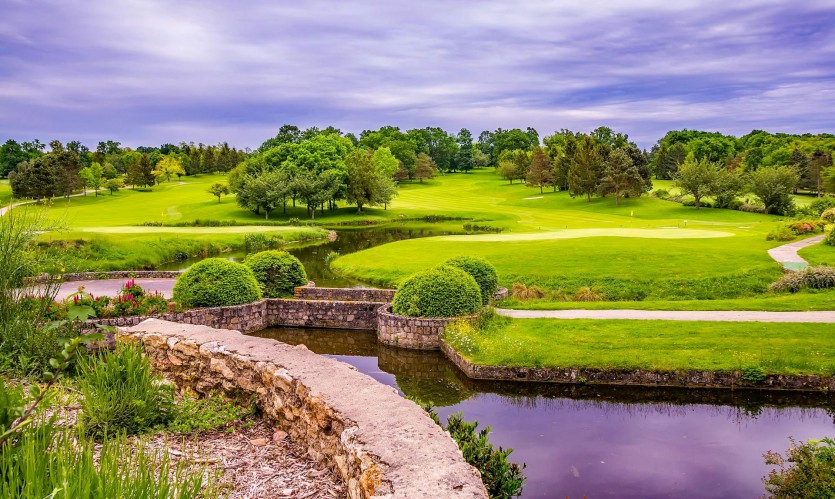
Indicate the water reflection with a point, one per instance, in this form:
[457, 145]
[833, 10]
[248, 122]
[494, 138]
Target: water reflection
[312, 255]
[600, 441]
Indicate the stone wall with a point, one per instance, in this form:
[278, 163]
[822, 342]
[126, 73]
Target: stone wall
[501, 294]
[345, 294]
[121, 274]
[419, 333]
[268, 313]
[381, 444]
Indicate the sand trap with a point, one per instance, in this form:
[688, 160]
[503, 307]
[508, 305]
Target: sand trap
[535, 197]
[578, 233]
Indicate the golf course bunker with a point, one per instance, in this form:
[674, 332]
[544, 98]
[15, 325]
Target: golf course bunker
[663, 233]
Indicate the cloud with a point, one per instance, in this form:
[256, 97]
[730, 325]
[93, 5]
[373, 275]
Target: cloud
[151, 71]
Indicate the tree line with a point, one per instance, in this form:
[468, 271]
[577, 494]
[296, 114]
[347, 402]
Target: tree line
[36, 173]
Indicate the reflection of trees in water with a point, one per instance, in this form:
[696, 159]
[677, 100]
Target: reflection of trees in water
[429, 376]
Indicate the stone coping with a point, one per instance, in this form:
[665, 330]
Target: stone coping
[119, 274]
[380, 443]
[635, 377]
[418, 333]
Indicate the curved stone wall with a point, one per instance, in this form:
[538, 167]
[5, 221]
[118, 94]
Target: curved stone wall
[120, 274]
[380, 443]
[419, 333]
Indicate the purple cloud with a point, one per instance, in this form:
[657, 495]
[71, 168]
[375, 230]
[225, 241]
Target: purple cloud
[146, 72]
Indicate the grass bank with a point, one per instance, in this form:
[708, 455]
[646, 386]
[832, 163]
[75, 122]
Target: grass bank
[797, 302]
[5, 192]
[776, 348]
[819, 254]
[150, 247]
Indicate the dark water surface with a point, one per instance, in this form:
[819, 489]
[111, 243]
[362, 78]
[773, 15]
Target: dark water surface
[599, 441]
[313, 255]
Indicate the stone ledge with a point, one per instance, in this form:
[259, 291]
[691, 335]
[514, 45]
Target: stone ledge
[380, 443]
[120, 274]
[418, 333]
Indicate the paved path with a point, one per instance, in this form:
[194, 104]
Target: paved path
[674, 315]
[111, 287]
[787, 253]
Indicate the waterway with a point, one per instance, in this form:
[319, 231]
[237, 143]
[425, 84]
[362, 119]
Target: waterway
[586, 441]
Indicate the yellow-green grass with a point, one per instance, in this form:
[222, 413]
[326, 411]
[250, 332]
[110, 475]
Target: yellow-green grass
[188, 232]
[5, 192]
[777, 348]
[803, 301]
[819, 254]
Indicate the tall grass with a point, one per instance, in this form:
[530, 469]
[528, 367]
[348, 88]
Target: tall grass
[25, 348]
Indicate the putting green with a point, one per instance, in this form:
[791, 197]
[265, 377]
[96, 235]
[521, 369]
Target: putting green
[248, 229]
[668, 233]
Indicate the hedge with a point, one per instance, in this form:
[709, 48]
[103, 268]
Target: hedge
[278, 272]
[440, 292]
[216, 282]
[481, 270]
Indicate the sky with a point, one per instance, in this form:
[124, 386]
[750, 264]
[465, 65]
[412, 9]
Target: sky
[147, 72]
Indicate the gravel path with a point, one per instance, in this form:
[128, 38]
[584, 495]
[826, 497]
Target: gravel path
[674, 315]
[787, 253]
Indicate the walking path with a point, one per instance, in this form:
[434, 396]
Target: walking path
[674, 315]
[787, 253]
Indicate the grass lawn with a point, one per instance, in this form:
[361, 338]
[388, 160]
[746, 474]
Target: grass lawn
[778, 348]
[5, 192]
[819, 254]
[769, 302]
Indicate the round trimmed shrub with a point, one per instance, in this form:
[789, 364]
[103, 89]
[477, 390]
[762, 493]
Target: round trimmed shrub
[216, 282]
[440, 292]
[828, 215]
[278, 272]
[481, 270]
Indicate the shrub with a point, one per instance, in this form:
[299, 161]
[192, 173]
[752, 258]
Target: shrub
[820, 277]
[204, 414]
[752, 208]
[780, 234]
[216, 282]
[523, 292]
[481, 270]
[830, 238]
[806, 470]
[133, 289]
[277, 272]
[801, 227]
[588, 294]
[440, 292]
[120, 395]
[821, 205]
[11, 405]
[828, 215]
[661, 193]
[753, 374]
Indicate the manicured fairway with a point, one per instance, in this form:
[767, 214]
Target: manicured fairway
[191, 231]
[778, 348]
[662, 233]
[819, 254]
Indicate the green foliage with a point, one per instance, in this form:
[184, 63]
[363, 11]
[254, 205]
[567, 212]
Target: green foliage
[203, 414]
[830, 238]
[802, 227]
[52, 460]
[278, 272]
[773, 187]
[828, 215]
[820, 277]
[806, 470]
[439, 292]
[753, 374]
[481, 270]
[820, 205]
[121, 395]
[216, 282]
[781, 234]
[12, 404]
[502, 478]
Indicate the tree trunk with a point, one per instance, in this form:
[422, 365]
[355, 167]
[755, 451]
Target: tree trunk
[617, 200]
[698, 202]
[540, 188]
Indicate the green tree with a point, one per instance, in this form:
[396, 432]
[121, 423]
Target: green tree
[65, 166]
[424, 167]
[33, 179]
[773, 186]
[385, 162]
[113, 185]
[464, 160]
[620, 176]
[218, 189]
[168, 166]
[362, 179]
[725, 186]
[540, 172]
[695, 177]
[585, 169]
[11, 155]
[93, 176]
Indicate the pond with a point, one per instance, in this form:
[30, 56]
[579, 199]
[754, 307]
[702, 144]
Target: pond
[313, 255]
[625, 442]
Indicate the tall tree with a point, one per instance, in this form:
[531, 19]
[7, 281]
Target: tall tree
[168, 166]
[33, 179]
[65, 167]
[93, 176]
[11, 155]
[540, 172]
[585, 169]
[773, 186]
[695, 177]
[620, 176]
[725, 186]
[464, 160]
[424, 167]
[362, 179]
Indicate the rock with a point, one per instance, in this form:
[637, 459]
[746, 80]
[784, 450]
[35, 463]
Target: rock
[259, 442]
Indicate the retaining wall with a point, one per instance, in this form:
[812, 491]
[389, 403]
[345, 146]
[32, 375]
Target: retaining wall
[121, 274]
[381, 444]
[412, 332]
